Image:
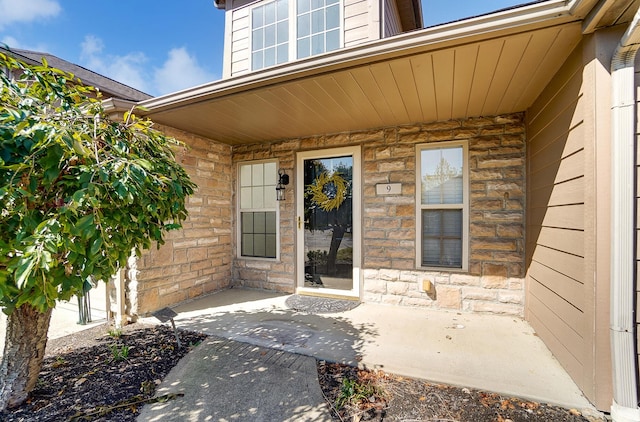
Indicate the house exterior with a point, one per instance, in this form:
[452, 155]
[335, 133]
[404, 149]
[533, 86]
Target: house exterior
[485, 165]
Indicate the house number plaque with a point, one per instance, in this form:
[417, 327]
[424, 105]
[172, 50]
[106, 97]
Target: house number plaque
[388, 188]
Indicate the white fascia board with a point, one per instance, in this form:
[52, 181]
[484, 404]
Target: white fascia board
[447, 35]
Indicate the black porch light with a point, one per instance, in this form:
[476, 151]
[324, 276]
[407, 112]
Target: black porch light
[283, 180]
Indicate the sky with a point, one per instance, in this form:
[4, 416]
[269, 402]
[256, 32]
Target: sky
[156, 47]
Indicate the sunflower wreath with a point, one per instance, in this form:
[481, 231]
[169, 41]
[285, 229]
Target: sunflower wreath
[323, 195]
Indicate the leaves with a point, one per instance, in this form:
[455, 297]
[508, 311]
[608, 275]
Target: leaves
[79, 191]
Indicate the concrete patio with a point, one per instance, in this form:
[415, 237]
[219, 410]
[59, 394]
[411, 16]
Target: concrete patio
[495, 353]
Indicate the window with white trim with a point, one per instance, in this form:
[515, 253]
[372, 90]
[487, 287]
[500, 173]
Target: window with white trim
[270, 34]
[443, 210]
[313, 29]
[258, 232]
[318, 27]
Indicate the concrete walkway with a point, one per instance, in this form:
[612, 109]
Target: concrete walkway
[225, 380]
[65, 316]
[495, 353]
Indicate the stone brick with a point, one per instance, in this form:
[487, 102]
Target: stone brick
[387, 166]
[464, 280]
[448, 297]
[482, 230]
[424, 301]
[499, 188]
[494, 282]
[510, 230]
[494, 245]
[493, 269]
[391, 300]
[496, 308]
[375, 286]
[389, 275]
[511, 297]
[501, 162]
[446, 124]
[405, 210]
[397, 288]
[476, 293]
[403, 264]
[440, 135]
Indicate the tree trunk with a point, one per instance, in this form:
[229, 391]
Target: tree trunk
[336, 239]
[23, 354]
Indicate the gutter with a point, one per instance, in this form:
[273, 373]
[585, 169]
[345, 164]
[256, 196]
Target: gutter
[622, 325]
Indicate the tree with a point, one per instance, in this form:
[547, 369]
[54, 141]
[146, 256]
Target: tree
[80, 192]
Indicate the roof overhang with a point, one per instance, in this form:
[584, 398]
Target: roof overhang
[489, 65]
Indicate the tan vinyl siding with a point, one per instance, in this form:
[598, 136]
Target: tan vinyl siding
[240, 41]
[391, 19]
[356, 22]
[567, 218]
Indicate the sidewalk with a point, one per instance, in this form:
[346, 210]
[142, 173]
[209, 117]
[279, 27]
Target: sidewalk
[65, 316]
[495, 353]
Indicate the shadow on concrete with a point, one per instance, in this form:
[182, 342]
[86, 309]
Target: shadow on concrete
[229, 380]
[330, 338]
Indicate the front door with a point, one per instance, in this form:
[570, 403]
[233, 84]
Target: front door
[328, 222]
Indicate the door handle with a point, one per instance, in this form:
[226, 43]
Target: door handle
[299, 223]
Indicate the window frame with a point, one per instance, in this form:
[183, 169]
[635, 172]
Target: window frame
[464, 206]
[240, 210]
[293, 33]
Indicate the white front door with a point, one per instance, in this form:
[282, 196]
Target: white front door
[328, 222]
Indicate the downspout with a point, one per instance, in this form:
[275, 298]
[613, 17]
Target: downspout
[623, 114]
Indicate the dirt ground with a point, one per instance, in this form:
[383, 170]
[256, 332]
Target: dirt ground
[80, 371]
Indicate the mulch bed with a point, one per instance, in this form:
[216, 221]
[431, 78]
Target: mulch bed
[107, 381]
[94, 376]
[378, 396]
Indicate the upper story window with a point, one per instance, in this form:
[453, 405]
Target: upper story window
[270, 34]
[315, 29]
[443, 205]
[318, 27]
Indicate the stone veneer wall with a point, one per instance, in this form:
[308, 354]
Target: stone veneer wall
[495, 280]
[196, 259]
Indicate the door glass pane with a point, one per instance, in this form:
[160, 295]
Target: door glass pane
[328, 209]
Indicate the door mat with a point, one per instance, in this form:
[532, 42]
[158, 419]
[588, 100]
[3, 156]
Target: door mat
[319, 305]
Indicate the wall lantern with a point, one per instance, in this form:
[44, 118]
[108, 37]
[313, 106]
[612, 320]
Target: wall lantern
[283, 180]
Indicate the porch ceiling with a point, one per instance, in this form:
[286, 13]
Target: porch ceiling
[404, 83]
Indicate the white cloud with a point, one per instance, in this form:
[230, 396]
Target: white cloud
[181, 70]
[15, 11]
[91, 46]
[128, 69]
[13, 42]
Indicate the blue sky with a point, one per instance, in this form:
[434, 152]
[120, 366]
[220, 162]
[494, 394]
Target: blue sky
[157, 47]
